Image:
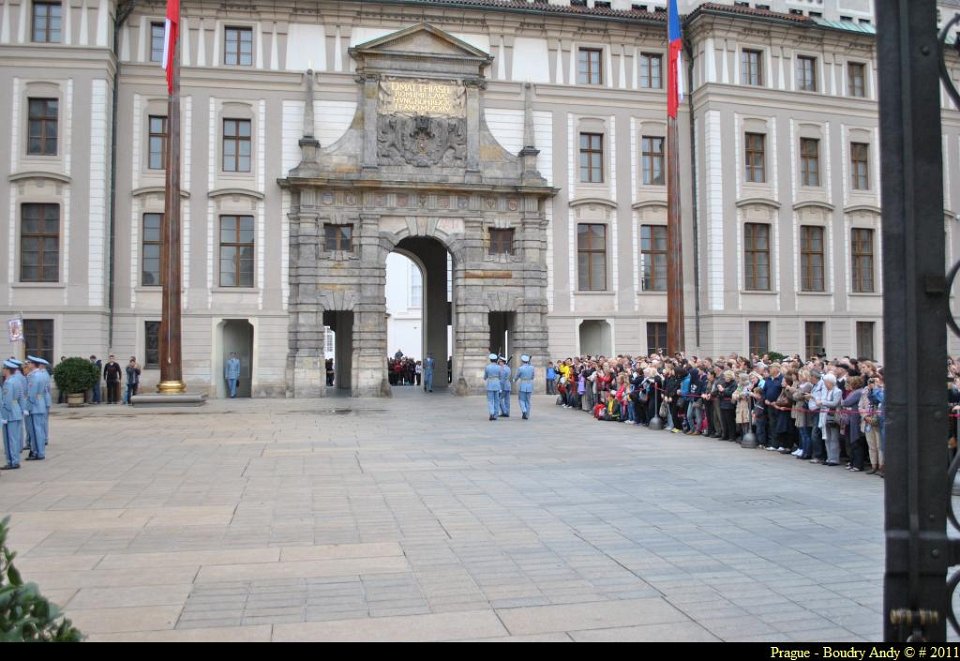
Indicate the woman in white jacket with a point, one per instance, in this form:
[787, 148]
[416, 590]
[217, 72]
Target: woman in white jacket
[827, 402]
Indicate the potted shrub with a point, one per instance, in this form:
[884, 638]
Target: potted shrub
[75, 376]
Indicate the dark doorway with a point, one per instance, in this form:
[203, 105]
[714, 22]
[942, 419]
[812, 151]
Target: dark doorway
[341, 323]
[502, 325]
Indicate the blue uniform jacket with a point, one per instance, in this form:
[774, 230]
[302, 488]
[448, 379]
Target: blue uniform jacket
[36, 390]
[10, 398]
[505, 378]
[525, 377]
[232, 370]
[491, 374]
[46, 389]
[428, 364]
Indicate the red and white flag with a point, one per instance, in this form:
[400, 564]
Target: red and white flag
[170, 40]
[675, 61]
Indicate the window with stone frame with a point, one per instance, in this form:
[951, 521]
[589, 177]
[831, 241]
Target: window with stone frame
[811, 258]
[656, 336]
[157, 142]
[856, 79]
[150, 250]
[157, 40]
[751, 67]
[809, 162]
[759, 337]
[38, 338]
[859, 166]
[813, 333]
[756, 246]
[501, 241]
[861, 248]
[47, 22]
[237, 145]
[337, 238]
[238, 46]
[40, 243]
[591, 158]
[43, 116]
[151, 345]
[590, 66]
[651, 71]
[592, 257]
[806, 73]
[653, 257]
[652, 157]
[755, 157]
[236, 251]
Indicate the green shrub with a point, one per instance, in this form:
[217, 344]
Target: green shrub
[775, 356]
[25, 616]
[75, 375]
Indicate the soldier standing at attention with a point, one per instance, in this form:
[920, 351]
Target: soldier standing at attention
[45, 373]
[22, 398]
[491, 375]
[232, 374]
[504, 388]
[38, 407]
[11, 416]
[525, 377]
[428, 364]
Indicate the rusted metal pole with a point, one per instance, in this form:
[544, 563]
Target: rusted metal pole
[675, 339]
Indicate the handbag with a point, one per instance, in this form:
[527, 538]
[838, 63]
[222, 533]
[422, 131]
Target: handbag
[664, 410]
[833, 418]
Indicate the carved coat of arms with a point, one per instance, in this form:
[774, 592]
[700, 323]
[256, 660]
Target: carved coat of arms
[422, 123]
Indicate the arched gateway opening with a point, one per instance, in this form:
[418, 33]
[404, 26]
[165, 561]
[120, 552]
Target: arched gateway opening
[419, 296]
[419, 173]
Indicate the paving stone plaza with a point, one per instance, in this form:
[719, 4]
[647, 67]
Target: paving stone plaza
[415, 518]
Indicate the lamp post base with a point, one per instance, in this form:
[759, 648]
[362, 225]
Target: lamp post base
[171, 388]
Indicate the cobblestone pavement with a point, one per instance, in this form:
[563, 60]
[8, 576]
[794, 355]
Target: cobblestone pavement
[415, 518]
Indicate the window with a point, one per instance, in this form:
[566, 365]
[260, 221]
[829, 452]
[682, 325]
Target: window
[236, 145]
[759, 337]
[809, 162]
[238, 46]
[813, 338]
[652, 155]
[865, 340]
[756, 241]
[806, 74]
[416, 288]
[151, 345]
[157, 34]
[651, 71]
[592, 257]
[754, 150]
[38, 338]
[501, 241]
[656, 337]
[150, 262]
[47, 17]
[856, 79]
[751, 68]
[858, 166]
[589, 69]
[591, 158]
[157, 158]
[40, 243]
[861, 242]
[338, 237]
[811, 258]
[653, 257]
[42, 116]
[236, 251]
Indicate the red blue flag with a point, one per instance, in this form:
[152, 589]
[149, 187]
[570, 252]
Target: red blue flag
[170, 36]
[674, 60]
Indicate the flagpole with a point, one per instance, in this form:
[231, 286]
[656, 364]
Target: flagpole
[171, 368]
[675, 335]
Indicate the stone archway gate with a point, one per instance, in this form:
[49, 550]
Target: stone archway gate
[417, 161]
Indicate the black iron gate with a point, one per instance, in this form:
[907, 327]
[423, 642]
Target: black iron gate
[917, 595]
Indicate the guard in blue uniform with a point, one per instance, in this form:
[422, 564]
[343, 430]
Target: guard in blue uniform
[45, 372]
[428, 366]
[231, 372]
[491, 375]
[38, 408]
[504, 388]
[11, 416]
[24, 411]
[525, 377]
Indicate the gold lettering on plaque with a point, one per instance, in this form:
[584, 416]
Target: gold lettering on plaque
[429, 98]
